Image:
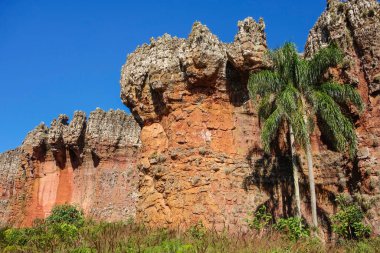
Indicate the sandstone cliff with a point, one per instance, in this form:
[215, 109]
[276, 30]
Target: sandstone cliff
[201, 157]
[354, 26]
[191, 98]
[198, 155]
[85, 162]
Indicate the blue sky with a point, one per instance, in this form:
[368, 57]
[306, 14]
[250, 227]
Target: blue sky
[61, 56]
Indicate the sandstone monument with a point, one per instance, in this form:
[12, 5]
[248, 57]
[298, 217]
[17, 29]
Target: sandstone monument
[191, 149]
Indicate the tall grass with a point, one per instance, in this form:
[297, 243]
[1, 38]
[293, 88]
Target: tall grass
[130, 237]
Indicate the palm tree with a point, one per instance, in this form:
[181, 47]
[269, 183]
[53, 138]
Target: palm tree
[295, 93]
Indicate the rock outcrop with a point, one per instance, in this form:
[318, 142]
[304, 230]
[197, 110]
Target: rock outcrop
[192, 150]
[190, 96]
[90, 163]
[201, 157]
[354, 26]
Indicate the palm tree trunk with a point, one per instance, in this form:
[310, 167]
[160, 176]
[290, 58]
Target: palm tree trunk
[295, 172]
[312, 185]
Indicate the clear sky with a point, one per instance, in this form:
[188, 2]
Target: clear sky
[61, 56]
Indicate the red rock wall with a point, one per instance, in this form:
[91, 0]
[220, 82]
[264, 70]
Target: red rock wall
[354, 26]
[198, 155]
[89, 163]
[200, 158]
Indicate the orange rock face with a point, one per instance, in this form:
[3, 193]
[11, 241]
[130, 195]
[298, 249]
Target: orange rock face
[354, 26]
[198, 155]
[89, 163]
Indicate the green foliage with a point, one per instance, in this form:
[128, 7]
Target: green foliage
[170, 246]
[14, 236]
[82, 249]
[294, 88]
[66, 214]
[96, 237]
[293, 227]
[198, 231]
[260, 220]
[348, 221]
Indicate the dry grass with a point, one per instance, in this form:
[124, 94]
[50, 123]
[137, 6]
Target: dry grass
[121, 237]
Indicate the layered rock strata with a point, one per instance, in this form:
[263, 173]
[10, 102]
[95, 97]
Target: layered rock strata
[90, 163]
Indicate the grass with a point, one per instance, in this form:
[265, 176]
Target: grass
[131, 237]
[67, 230]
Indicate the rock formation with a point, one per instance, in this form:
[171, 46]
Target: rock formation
[191, 98]
[354, 26]
[90, 163]
[198, 155]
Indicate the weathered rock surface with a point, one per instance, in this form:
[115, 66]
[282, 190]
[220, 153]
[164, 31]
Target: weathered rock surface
[354, 25]
[201, 157]
[197, 156]
[10, 166]
[90, 163]
[191, 98]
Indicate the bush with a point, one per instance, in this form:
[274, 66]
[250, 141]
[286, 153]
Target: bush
[198, 231]
[293, 227]
[66, 214]
[260, 220]
[348, 223]
[14, 236]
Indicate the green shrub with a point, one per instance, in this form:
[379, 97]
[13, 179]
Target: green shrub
[198, 231]
[260, 220]
[66, 232]
[66, 214]
[348, 223]
[293, 227]
[15, 236]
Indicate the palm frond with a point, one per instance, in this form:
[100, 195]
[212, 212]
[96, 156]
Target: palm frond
[327, 57]
[263, 83]
[284, 60]
[302, 71]
[300, 128]
[341, 127]
[288, 99]
[270, 128]
[265, 107]
[343, 93]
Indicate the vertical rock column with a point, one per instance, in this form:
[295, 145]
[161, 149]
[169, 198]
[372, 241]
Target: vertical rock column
[198, 128]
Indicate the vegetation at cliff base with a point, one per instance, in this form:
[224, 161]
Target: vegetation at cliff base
[66, 230]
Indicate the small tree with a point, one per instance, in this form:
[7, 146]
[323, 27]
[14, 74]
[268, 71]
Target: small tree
[68, 214]
[293, 228]
[261, 219]
[348, 221]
